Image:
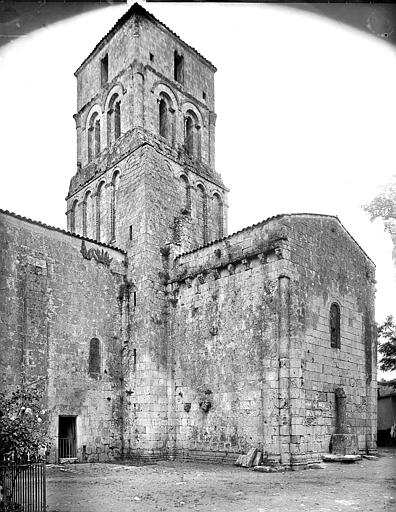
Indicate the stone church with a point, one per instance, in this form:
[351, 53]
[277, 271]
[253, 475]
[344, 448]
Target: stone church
[155, 333]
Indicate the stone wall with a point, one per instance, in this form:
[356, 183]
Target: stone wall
[208, 345]
[249, 329]
[56, 301]
[141, 66]
[224, 336]
[331, 268]
[135, 199]
[151, 213]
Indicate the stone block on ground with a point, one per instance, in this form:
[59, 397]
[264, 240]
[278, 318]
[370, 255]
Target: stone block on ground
[68, 460]
[317, 465]
[249, 458]
[344, 444]
[258, 459]
[268, 469]
[239, 460]
[333, 457]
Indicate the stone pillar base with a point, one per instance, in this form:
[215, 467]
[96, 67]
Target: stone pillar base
[344, 444]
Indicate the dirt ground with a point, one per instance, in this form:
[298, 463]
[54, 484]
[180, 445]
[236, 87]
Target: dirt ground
[369, 485]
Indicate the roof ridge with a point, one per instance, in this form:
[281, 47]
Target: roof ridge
[136, 8]
[273, 217]
[59, 230]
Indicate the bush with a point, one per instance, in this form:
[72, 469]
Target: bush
[23, 425]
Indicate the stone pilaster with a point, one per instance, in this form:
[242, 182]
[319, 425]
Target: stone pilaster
[284, 370]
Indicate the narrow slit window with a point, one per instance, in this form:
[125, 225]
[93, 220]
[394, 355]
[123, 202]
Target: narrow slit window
[134, 299]
[178, 68]
[94, 357]
[130, 233]
[104, 70]
[335, 321]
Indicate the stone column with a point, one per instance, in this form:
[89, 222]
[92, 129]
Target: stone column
[340, 408]
[370, 339]
[78, 130]
[138, 95]
[212, 128]
[179, 127]
[343, 442]
[284, 370]
[68, 218]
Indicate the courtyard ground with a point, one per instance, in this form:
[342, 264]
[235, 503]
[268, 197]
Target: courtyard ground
[369, 485]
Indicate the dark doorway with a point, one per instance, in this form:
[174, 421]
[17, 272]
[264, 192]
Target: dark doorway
[67, 437]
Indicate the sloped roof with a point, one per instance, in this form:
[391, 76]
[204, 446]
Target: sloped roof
[274, 217]
[138, 9]
[59, 230]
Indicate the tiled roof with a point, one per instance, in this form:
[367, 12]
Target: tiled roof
[273, 218]
[59, 230]
[138, 9]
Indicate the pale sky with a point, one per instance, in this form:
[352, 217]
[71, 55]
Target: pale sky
[305, 110]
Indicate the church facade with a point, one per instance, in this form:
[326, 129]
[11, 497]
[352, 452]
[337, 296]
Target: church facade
[153, 332]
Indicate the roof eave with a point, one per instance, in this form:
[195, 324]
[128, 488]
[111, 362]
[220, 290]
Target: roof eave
[137, 9]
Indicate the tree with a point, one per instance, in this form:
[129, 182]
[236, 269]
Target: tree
[23, 424]
[387, 331]
[384, 206]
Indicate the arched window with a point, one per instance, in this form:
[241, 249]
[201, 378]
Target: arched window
[192, 135]
[166, 118]
[114, 119]
[335, 334]
[189, 135]
[99, 211]
[97, 137]
[85, 219]
[186, 195]
[94, 357]
[94, 137]
[113, 205]
[72, 223]
[202, 215]
[218, 215]
[88, 216]
[163, 119]
[117, 120]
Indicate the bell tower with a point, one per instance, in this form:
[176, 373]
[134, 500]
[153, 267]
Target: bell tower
[145, 96]
[146, 183]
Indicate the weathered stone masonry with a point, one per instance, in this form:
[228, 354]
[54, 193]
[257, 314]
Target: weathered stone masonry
[154, 333]
[250, 329]
[53, 302]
